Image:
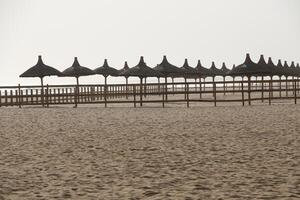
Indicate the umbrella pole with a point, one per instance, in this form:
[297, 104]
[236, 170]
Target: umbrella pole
[105, 91]
[286, 86]
[141, 92]
[42, 92]
[126, 87]
[280, 86]
[249, 90]
[200, 87]
[185, 89]
[145, 87]
[158, 88]
[173, 85]
[224, 87]
[233, 84]
[166, 89]
[262, 89]
[76, 92]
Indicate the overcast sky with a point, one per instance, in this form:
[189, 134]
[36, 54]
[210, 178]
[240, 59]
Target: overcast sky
[119, 30]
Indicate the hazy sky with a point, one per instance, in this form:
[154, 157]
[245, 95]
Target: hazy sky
[119, 30]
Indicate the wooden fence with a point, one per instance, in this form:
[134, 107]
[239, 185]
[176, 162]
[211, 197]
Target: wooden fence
[244, 92]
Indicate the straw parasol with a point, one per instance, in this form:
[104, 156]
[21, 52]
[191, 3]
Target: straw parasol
[125, 68]
[224, 70]
[76, 70]
[188, 71]
[141, 70]
[215, 71]
[204, 72]
[168, 70]
[41, 70]
[106, 71]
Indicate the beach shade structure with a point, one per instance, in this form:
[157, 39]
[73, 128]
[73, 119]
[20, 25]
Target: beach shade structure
[233, 77]
[125, 68]
[215, 71]
[203, 73]
[76, 70]
[168, 70]
[41, 70]
[188, 72]
[106, 71]
[141, 70]
[224, 71]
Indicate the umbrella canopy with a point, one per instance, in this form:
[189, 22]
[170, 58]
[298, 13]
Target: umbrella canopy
[204, 72]
[76, 70]
[224, 69]
[141, 70]
[274, 70]
[248, 68]
[287, 69]
[125, 68]
[41, 70]
[298, 69]
[280, 68]
[167, 69]
[106, 70]
[293, 69]
[215, 70]
[264, 66]
[188, 71]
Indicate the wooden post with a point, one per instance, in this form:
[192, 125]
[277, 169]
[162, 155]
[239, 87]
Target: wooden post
[295, 91]
[0, 99]
[134, 95]
[200, 88]
[280, 86]
[173, 89]
[163, 98]
[166, 88]
[141, 92]
[286, 86]
[262, 89]
[233, 78]
[6, 98]
[187, 95]
[270, 91]
[249, 90]
[215, 94]
[224, 86]
[243, 97]
[11, 98]
[19, 92]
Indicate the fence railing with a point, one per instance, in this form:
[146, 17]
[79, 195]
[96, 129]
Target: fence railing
[245, 92]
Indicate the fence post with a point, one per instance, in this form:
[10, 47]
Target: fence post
[134, 96]
[47, 96]
[295, 91]
[270, 91]
[187, 96]
[6, 98]
[19, 93]
[163, 98]
[249, 90]
[0, 99]
[215, 94]
[243, 97]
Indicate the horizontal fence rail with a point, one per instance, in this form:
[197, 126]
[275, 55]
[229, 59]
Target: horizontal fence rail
[244, 92]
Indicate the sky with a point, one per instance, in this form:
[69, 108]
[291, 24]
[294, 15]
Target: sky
[124, 30]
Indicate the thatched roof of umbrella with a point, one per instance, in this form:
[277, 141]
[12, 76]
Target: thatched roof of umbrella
[40, 70]
[106, 70]
[125, 68]
[188, 71]
[263, 64]
[202, 71]
[274, 70]
[76, 70]
[248, 68]
[167, 69]
[141, 70]
[215, 70]
[287, 69]
[294, 69]
[224, 69]
[298, 69]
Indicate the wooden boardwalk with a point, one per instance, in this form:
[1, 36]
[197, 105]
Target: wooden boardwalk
[245, 92]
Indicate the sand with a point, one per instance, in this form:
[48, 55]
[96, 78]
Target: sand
[225, 152]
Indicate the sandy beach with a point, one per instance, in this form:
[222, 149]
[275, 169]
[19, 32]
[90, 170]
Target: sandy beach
[225, 152]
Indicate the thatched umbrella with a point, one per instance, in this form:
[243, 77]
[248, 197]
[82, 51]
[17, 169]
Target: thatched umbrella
[233, 77]
[224, 71]
[215, 71]
[203, 72]
[76, 70]
[141, 70]
[106, 71]
[41, 70]
[188, 71]
[125, 68]
[168, 70]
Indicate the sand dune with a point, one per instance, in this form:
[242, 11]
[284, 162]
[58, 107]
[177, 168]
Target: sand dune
[230, 152]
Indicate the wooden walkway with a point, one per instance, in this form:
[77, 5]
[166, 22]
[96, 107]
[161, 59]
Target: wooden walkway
[245, 92]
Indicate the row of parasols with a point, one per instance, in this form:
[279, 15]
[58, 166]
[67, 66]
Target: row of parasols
[165, 69]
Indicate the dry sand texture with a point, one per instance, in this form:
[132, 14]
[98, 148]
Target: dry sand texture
[230, 152]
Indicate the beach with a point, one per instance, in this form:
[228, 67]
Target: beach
[223, 152]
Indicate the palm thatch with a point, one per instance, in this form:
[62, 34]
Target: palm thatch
[141, 70]
[41, 70]
[125, 68]
[76, 70]
[188, 71]
[287, 69]
[202, 71]
[248, 68]
[215, 70]
[224, 69]
[167, 69]
[106, 70]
